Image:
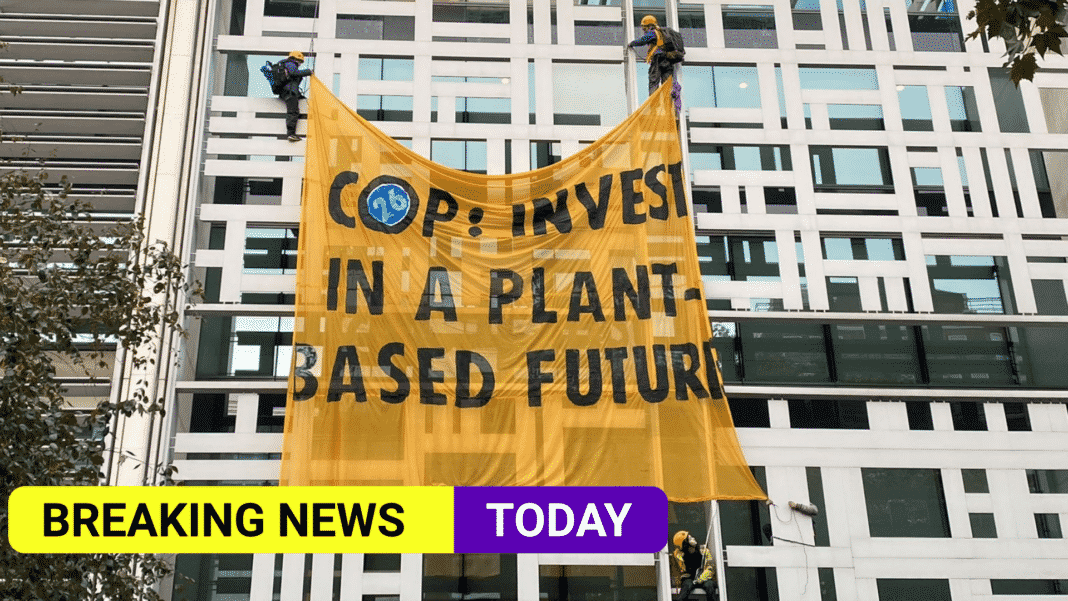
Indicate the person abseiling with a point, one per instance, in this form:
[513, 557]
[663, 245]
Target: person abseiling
[664, 53]
[697, 567]
[290, 93]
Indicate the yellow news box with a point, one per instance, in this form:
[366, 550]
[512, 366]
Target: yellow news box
[232, 519]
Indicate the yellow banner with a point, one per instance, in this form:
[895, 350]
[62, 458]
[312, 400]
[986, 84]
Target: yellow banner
[545, 328]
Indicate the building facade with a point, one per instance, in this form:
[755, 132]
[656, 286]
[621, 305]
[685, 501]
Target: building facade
[878, 218]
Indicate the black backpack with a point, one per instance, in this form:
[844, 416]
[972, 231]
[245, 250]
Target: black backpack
[674, 47]
[276, 75]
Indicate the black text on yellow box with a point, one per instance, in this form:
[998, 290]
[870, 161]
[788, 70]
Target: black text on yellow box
[232, 519]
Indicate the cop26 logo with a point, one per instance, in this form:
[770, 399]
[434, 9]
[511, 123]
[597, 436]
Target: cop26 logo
[386, 204]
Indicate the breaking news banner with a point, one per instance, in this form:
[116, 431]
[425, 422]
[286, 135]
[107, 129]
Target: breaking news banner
[338, 519]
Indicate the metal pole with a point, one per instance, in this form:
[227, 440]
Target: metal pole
[630, 78]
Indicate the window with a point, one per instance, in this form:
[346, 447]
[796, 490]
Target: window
[271, 413]
[375, 27]
[737, 258]
[1008, 102]
[819, 521]
[828, 413]
[905, 503]
[723, 86]
[913, 589]
[381, 562]
[692, 25]
[245, 346]
[483, 110]
[975, 481]
[591, 583]
[963, 110]
[464, 576]
[1050, 297]
[929, 191]
[740, 158]
[749, 413]
[1029, 587]
[599, 33]
[384, 108]
[863, 249]
[833, 77]
[746, 522]
[210, 413]
[465, 155]
[873, 353]
[850, 169]
[212, 577]
[574, 84]
[247, 190]
[983, 525]
[270, 250]
[291, 8]
[915, 108]
[827, 589]
[752, 584]
[1016, 417]
[1048, 525]
[968, 284]
[856, 116]
[691, 517]
[1052, 192]
[935, 26]
[746, 26]
[1048, 481]
[780, 200]
[544, 153]
[919, 415]
[968, 416]
[386, 69]
[463, 12]
[1053, 102]
[806, 15]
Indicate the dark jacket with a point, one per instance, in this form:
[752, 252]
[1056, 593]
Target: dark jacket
[296, 74]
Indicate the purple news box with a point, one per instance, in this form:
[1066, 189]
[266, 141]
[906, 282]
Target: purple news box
[560, 519]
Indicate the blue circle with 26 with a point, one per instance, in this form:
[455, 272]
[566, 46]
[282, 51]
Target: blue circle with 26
[388, 204]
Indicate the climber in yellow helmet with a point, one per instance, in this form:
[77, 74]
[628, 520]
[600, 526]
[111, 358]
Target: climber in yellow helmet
[697, 567]
[664, 53]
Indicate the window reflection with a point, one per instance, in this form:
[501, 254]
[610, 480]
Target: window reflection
[746, 26]
[722, 86]
[465, 155]
[963, 110]
[915, 108]
[850, 169]
[575, 84]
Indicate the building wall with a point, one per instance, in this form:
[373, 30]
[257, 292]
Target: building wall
[880, 218]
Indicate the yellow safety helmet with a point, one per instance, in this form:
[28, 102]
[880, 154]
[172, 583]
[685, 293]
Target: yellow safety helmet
[648, 20]
[680, 537]
[297, 54]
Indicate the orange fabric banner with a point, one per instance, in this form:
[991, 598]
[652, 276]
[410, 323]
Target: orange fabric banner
[542, 328]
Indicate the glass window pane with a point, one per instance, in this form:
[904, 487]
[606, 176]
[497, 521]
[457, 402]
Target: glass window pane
[983, 525]
[974, 481]
[915, 108]
[963, 110]
[905, 503]
[856, 116]
[1008, 102]
[838, 78]
[574, 84]
[913, 590]
[746, 26]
